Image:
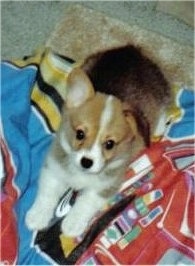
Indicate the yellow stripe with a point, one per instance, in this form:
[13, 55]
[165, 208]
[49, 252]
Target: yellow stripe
[174, 112]
[67, 244]
[47, 106]
[34, 59]
[55, 71]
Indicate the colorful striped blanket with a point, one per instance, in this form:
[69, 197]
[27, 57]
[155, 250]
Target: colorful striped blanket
[151, 219]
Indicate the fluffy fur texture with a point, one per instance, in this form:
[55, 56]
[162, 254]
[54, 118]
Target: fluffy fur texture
[100, 133]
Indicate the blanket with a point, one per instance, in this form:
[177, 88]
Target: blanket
[151, 218]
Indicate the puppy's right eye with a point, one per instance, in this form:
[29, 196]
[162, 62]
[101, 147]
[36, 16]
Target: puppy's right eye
[109, 144]
[80, 134]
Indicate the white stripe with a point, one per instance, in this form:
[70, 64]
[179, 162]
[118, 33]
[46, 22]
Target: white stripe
[106, 114]
[95, 153]
[60, 63]
[96, 150]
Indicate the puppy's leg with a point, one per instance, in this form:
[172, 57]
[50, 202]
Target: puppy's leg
[49, 192]
[86, 206]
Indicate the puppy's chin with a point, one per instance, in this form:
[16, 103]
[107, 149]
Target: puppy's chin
[92, 171]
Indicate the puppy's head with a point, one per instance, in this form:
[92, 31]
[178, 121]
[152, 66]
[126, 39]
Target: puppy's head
[97, 132]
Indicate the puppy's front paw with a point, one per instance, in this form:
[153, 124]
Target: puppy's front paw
[37, 219]
[73, 227]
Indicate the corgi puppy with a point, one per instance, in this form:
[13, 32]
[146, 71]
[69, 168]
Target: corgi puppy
[97, 139]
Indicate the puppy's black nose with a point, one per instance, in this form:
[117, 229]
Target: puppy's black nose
[86, 162]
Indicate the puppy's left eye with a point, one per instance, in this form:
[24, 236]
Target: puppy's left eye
[109, 144]
[80, 134]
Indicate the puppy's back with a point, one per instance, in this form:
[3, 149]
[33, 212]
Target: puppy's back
[132, 77]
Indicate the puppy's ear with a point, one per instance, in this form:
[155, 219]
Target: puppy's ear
[131, 121]
[138, 123]
[79, 88]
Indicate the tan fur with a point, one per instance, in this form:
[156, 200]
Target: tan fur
[87, 118]
[122, 128]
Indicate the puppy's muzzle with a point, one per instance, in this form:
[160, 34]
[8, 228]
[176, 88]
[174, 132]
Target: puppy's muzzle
[86, 163]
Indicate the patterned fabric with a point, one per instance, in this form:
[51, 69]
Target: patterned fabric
[150, 220]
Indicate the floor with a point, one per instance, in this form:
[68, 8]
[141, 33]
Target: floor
[25, 25]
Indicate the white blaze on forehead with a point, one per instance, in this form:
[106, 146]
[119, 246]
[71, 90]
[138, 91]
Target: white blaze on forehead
[106, 114]
[95, 153]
